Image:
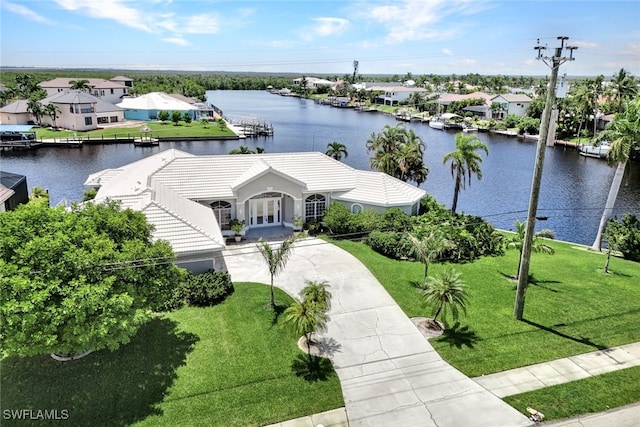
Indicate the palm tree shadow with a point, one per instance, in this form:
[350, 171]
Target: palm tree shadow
[312, 368]
[581, 340]
[532, 281]
[277, 311]
[459, 336]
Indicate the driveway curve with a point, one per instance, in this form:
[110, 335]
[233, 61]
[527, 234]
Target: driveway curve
[390, 374]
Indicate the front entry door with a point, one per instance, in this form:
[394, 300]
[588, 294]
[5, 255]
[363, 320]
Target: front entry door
[265, 212]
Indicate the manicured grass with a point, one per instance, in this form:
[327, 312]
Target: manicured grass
[224, 365]
[166, 129]
[589, 395]
[572, 306]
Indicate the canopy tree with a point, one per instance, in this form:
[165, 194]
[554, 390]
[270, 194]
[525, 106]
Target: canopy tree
[623, 133]
[464, 161]
[80, 279]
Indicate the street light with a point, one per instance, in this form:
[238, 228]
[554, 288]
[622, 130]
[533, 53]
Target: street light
[554, 63]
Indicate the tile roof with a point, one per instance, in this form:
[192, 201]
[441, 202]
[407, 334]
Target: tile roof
[513, 97]
[155, 101]
[71, 97]
[16, 107]
[64, 82]
[375, 188]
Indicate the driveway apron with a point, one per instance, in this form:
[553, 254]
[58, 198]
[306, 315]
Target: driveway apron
[390, 374]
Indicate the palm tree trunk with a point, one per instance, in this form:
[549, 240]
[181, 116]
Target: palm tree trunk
[606, 264]
[273, 300]
[611, 201]
[456, 190]
[426, 270]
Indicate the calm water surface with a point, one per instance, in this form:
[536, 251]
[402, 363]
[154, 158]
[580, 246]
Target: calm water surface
[574, 188]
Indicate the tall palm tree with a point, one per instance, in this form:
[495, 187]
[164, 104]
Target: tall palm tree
[445, 293]
[398, 152]
[81, 85]
[276, 259]
[623, 133]
[623, 88]
[517, 240]
[36, 109]
[52, 111]
[336, 150]
[464, 162]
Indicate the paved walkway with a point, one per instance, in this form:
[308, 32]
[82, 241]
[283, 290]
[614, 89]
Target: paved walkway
[533, 377]
[390, 374]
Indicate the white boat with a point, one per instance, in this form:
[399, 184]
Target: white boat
[469, 129]
[599, 151]
[436, 123]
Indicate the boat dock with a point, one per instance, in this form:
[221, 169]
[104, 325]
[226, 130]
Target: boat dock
[249, 126]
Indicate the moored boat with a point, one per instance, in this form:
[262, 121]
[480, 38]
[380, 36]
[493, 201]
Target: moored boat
[599, 151]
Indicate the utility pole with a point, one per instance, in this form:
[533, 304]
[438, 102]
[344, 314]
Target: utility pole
[554, 63]
[355, 72]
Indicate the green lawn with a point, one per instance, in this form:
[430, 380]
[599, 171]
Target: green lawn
[589, 395]
[572, 306]
[158, 129]
[217, 366]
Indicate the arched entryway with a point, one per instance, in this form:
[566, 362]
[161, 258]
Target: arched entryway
[265, 210]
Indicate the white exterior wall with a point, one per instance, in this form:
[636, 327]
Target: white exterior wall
[15, 119]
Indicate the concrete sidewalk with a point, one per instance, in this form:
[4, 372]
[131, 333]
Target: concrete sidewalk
[389, 373]
[533, 377]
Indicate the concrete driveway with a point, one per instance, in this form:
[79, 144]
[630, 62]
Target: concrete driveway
[390, 374]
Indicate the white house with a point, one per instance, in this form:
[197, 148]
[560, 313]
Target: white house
[111, 91]
[313, 82]
[191, 199]
[395, 94]
[515, 104]
[146, 107]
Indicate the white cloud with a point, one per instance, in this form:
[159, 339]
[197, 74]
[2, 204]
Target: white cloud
[325, 27]
[25, 12]
[176, 40]
[116, 10]
[201, 24]
[447, 51]
[414, 20]
[583, 44]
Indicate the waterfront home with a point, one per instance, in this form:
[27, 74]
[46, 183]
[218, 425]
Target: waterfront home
[13, 190]
[146, 107]
[516, 104]
[313, 82]
[191, 200]
[15, 113]
[110, 91]
[482, 109]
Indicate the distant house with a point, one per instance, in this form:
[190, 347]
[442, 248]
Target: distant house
[482, 109]
[146, 107]
[515, 104]
[313, 82]
[393, 95]
[77, 111]
[13, 190]
[111, 91]
[191, 199]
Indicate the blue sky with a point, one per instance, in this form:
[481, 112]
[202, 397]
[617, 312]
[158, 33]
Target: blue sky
[388, 37]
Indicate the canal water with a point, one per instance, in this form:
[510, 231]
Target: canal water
[573, 194]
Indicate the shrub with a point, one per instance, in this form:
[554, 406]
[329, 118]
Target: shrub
[337, 218]
[392, 244]
[629, 229]
[394, 219]
[201, 290]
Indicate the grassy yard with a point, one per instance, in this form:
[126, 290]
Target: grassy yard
[589, 395]
[572, 306]
[166, 129]
[225, 365]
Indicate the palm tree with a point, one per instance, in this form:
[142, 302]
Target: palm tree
[445, 293]
[464, 161]
[317, 293]
[242, 150]
[81, 85]
[517, 241]
[623, 88]
[336, 150]
[623, 133]
[398, 152]
[305, 318]
[276, 259]
[429, 248]
[52, 111]
[36, 109]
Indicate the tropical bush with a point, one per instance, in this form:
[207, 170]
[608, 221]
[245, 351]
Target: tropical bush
[201, 290]
[392, 244]
[629, 231]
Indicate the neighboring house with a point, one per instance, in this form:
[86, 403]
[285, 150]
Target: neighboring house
[191, 199]
[78, 111]
[13, 190]
[515, 104]
[15, 113]
[313, 82]
[146, 107]
[482, 110]
[111, 91]
[393, 95]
